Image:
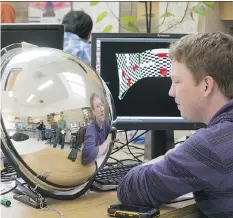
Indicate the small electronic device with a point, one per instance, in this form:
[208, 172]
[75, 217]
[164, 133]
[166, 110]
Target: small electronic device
[121, 210]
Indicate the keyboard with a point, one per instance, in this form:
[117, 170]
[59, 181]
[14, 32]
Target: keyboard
[109, 177]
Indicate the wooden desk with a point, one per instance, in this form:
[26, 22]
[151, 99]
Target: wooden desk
[92, 205]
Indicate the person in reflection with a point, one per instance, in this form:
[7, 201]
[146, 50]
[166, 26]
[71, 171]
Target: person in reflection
[60, 132]
[40, 127]
[78, 27]
[202, 87]
[98, 136]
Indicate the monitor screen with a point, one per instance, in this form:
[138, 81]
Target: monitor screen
[43, 35]
[73, 125]
[137, 92]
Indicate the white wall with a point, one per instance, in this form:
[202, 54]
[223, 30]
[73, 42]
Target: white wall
[212, 23]
[178, 9]
[209, 23]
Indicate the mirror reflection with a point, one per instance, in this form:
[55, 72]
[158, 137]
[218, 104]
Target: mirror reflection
[98, 135]
[57, 114]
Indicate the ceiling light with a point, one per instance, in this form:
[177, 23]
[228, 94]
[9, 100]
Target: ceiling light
[30, 97]
[45, 85]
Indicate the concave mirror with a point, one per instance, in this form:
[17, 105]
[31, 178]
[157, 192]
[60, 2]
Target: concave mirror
[56, 117]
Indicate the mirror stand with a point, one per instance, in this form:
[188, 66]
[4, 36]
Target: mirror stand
[27, 196]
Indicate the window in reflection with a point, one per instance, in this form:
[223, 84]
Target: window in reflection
[73, 77]
[77, 89]
[45, 85]
[12, 78]
[76, 83]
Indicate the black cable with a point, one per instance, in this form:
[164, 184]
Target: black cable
[135, 147]
[132, 146]
[129, 148]
[8, 191]
[118, 161]
[123, 160]
[134, 153]
[135, 133]
[140, 155]
[129, 142]
[179, 142]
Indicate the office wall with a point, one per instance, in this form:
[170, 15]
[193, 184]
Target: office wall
[21, 9]
[212, 23]
[181, 13]
[199, 24]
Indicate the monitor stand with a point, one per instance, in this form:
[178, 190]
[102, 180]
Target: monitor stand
[157, 143]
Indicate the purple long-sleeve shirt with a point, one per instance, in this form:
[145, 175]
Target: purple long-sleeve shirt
[94, 137]
[203, 164]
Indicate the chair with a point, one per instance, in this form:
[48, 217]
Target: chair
[76, 145]
[48, 135]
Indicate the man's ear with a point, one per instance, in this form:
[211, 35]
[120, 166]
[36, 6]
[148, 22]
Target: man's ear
[208, 85]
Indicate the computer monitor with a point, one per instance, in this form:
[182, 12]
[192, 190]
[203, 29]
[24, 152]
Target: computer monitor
[43, 35]
[140, 95]
[73, 125]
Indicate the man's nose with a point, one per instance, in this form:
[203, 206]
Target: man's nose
[171, 92]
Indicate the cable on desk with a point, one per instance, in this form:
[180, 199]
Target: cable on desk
[116, 149]
[8, 174]
[131, 140]
[118, 161]
[8, 191]
[127, 142]
[132, 146]
[179, 142]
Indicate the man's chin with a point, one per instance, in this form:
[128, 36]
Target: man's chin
[184, 116]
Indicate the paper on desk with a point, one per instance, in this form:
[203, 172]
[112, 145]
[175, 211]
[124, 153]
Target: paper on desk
[185, 197]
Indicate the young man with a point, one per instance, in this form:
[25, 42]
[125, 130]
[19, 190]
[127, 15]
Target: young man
[78, 27]
[202, 87]
[98, 137]
[40, 127]
[60, 132]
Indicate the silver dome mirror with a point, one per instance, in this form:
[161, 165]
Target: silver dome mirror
[56, 117]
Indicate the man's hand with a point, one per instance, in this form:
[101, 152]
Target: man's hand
[104, 147]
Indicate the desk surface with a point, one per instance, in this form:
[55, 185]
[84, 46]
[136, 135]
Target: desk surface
[92, 205]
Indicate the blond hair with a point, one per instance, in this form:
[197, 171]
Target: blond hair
[207, 54]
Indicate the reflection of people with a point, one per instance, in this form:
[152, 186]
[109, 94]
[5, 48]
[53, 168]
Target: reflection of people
[78, 27]
[49, 10]
[7, 13]
[60, 132]
[98, 137]
[202, 85]
[39, 128]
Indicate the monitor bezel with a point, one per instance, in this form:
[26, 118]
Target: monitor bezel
[35, 26]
